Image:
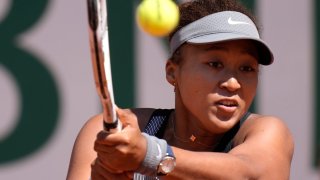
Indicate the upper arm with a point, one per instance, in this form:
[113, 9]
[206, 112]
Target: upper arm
[266, 145]
[83, 153]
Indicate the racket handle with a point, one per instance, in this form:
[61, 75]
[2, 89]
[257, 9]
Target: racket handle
[111, 122]
[111, 127]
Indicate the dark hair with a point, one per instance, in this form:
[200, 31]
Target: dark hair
[196, 9]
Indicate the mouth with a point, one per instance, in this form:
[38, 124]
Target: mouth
[227, 105]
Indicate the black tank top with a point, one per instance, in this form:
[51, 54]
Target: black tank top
[159, 121]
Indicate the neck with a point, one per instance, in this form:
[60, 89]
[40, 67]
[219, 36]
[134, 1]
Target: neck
[188, 133]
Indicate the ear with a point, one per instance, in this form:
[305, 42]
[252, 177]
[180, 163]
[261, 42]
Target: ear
[171, 69]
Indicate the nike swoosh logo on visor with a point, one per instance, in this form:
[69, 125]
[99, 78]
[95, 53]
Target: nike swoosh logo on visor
[232, 22]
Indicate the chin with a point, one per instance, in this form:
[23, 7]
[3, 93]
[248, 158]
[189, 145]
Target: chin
[225, 121]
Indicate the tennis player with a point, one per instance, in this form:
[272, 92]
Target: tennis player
[216, 53]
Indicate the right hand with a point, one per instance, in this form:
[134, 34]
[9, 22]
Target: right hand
[122, 151]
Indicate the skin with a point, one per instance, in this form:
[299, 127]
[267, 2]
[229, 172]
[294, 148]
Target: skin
[214, 86]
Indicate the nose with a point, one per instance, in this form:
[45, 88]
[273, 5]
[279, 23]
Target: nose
[231, 84]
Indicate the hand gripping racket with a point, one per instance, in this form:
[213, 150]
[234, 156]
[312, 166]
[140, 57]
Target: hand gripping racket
[100, 55]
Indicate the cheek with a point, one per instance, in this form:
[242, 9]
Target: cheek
[249, 89]
[190, 83]
[188, 78]
[190, 86]
[196, 82]
[195, 90]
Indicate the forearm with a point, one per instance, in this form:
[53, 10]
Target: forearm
[209, 165]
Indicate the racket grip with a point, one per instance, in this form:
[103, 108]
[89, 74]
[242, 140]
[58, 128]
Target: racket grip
[112, 127]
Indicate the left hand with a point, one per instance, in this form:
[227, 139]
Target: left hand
[124, 150]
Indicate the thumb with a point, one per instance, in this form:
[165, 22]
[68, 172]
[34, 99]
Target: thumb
[127, 117]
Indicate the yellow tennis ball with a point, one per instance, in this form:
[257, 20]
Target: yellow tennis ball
[157, 17]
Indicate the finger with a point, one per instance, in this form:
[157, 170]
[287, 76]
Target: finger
[113, 140]
[108, 139]
[129, 174]
[95, 175]
[101, 147]
[105, 150]
[100, 173]
[127, 117]
[102, 164]
[120, 146]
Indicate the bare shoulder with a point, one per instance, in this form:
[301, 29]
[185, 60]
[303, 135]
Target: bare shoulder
[265, 127]
[268, 143]
[270, 124]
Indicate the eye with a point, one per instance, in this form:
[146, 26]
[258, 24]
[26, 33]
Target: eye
[215, 64]
[248, 69]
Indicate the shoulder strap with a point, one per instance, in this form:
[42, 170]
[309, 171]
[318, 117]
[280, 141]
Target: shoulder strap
[158, 122]
[226, 142]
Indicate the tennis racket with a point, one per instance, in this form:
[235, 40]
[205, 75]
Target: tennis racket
[100, 56]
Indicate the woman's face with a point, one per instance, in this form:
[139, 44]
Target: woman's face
[216, 83]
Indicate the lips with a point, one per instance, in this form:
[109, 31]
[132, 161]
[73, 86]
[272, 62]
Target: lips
[227, 105]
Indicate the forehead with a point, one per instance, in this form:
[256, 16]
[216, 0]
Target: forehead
[241, 46]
